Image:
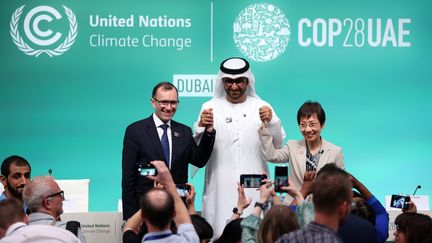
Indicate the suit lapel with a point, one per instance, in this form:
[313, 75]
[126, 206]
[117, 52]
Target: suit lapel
[325, 156]
[175, 140]
[301, 150]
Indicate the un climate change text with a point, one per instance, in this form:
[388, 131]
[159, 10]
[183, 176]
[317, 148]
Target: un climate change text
[147, 40]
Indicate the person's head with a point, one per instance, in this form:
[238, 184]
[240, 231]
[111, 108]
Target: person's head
[413, 228]
[44, 195]
[311, 120]
[157, 207]
[279, 220]
[332, 193]
[202, 227]
[235, 80]
[15, 172]
[11, 211]
[362, 209]
[165, 100]
[232, 232]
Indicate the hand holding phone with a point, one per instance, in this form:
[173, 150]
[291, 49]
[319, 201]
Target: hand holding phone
[182, 189]
[146, 169]
[252, 180]
[281, 177]
[399, 201]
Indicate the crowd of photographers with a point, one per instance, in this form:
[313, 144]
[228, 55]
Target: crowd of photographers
[341, 209]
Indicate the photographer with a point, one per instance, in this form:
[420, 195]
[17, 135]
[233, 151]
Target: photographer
[368, 207]
[159, 206]
[280, 219]
[412, 227]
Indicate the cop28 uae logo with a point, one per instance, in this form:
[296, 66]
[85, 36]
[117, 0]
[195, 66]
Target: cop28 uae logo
[261, 32]
[44, 37]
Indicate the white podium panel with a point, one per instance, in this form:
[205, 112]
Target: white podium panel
[101, 227]
[76, 195]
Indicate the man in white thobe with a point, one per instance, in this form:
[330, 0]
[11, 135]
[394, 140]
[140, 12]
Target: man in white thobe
[235, 111]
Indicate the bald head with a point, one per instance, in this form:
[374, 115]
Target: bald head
[157, 207]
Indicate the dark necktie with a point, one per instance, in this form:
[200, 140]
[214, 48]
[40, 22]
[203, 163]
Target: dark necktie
[165, 143]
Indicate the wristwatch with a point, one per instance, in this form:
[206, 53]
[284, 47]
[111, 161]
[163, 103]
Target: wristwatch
[260, 205]
[237, 211]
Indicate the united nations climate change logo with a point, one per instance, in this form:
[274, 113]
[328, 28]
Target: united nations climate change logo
[43, 37]
[261, 32]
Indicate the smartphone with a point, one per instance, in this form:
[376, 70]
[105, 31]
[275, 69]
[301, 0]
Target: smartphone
[182, 189]
[146, 169]
[399, 201]
[252, 180]
[281, 177]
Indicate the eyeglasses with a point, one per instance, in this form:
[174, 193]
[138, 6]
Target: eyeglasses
[240, 81]
[60, 193]
[311, 125]
[165, 103]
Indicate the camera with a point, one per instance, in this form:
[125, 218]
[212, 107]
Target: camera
[252, 180]
[147, 169]
[399, 201]
[182, 189]
[281, 177]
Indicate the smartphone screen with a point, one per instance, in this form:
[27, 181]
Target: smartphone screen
[281, 177]
[252, 180]
[398, 201]
[182, 189]
[147, 170]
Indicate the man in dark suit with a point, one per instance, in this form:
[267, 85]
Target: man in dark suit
[158, 137]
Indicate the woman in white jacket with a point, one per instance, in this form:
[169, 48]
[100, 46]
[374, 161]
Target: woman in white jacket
[309, 154]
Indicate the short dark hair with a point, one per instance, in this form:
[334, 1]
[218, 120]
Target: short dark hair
[11, 211]
[308, 109]
[231, 233]
[363, 210]
[160, 213]
[202, 227]
[330, 189]
[417, 227]
[165, 86]
[14, 159]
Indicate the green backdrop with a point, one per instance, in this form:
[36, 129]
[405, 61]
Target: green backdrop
[69, 112]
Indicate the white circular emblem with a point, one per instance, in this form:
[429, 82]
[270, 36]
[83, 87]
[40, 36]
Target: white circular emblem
[261, 32]
[30, 28]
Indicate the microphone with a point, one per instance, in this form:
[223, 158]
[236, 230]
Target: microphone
[418, 187]
[49, 172]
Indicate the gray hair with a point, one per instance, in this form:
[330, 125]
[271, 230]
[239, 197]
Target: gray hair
[36, 191]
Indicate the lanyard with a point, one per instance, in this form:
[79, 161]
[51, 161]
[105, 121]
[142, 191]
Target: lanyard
[156, 237]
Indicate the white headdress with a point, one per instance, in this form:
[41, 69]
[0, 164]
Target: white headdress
[234, 67]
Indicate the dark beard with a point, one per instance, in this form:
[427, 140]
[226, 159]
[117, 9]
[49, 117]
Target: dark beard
[15, 193]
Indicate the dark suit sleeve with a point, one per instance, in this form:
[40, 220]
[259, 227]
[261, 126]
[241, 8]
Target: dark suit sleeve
[129, 173]
[201, 153]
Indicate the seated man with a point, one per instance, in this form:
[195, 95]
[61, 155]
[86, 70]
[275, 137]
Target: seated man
[14, 229]
[159, 206]
[15, 174]
[44, 199]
